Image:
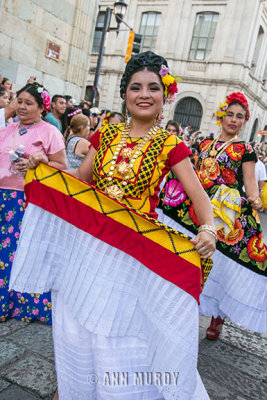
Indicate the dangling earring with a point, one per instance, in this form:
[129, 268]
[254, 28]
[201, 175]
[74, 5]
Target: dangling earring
[157, 119]
[127, 120]
[126, 116]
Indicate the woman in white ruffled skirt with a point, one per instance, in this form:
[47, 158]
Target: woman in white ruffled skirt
[125, 288]
[236, 287]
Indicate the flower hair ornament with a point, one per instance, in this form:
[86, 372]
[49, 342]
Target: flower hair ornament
[45, 97]
[170, 83]
[235, 97]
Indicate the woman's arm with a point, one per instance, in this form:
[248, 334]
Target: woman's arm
[82, 148]
[204, 242]
[250, 183]
[10, 109]
[85, 171]
[57, 160]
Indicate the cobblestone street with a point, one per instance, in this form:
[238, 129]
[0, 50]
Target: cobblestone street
[232, 368]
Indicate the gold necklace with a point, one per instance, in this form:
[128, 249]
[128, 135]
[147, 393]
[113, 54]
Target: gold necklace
[210, 166]
[124, 168]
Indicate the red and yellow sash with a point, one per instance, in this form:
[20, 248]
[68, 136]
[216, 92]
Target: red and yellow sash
[160, 248]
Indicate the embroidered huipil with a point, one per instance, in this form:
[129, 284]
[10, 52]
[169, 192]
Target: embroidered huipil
[154, 161]
[245, 244]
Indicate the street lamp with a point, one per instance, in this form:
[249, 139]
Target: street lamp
[119, 11]
[120, 8]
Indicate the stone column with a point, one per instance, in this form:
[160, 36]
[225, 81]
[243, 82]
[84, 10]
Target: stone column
[80, 47]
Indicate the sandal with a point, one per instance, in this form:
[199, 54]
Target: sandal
[55, 395]
[215, 328]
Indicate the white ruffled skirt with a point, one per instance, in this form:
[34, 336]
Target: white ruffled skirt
[111, 315]
[231, 290]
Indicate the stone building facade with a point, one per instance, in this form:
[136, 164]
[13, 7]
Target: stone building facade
[214, 46]
[49, 39]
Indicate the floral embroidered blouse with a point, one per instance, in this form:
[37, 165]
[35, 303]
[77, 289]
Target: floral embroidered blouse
[245, 244]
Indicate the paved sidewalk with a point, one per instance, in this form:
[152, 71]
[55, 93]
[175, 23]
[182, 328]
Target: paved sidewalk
[232, 368]
[26, 361]
[235, 366]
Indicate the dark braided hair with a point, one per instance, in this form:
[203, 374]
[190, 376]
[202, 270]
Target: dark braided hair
[32, 89]
[147, 60]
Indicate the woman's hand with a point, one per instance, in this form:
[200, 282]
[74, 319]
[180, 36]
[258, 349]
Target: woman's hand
[204, 244]
[35, 160]
[22, 165]
[256, 203]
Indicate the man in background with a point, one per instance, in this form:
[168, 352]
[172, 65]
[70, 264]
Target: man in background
[69, 101]
[58, 107]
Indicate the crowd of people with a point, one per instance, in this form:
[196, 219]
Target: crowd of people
[113, 202]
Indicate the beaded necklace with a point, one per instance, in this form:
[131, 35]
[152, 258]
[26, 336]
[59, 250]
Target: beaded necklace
[124, 168]
[24, 129]
[210, 164]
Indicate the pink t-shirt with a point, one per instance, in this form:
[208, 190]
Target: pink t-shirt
[44, 138]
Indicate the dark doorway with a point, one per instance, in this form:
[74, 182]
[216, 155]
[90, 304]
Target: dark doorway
[189, 111]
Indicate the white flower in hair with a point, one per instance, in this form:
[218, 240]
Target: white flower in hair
[40, 89]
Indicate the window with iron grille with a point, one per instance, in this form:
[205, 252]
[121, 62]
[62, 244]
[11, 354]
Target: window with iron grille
[203, 35]
[188, 111]
[98, 31]
[149, 29]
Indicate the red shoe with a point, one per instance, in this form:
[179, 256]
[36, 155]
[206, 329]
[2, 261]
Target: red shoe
[215, 328]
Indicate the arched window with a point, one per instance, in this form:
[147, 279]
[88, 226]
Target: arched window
[257, 49]
[253, 130]
[188, 111]
[149, 29]
[203, 35]
[98, 31]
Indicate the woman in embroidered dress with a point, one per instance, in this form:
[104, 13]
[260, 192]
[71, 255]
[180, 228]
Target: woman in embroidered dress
[41, 142]
[123, 308]
[237, 285]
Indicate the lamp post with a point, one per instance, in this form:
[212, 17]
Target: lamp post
[119, 12]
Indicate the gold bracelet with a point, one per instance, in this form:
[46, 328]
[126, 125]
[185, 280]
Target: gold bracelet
[209, 227]
[211, 233]
[257, 201]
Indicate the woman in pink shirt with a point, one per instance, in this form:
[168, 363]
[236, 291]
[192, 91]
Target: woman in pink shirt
[34, 141]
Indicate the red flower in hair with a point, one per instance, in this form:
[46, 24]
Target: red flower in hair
[240, 98]
[172, 88]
